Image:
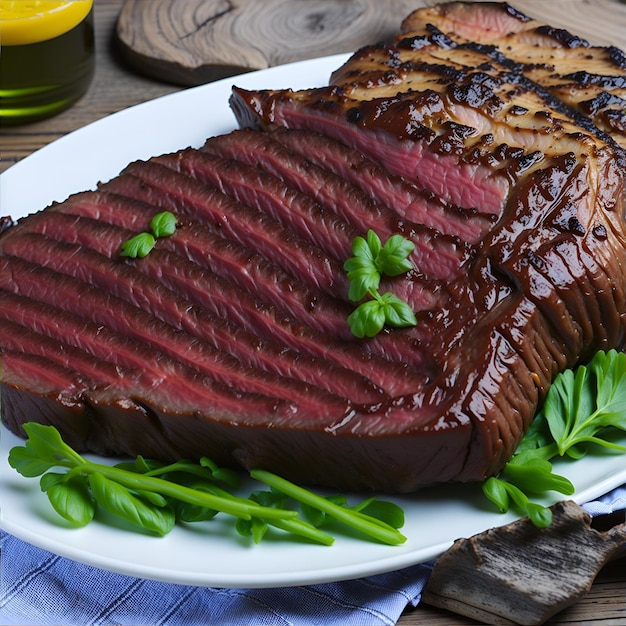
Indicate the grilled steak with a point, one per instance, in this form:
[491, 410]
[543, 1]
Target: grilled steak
[590, 79]
[230, 339]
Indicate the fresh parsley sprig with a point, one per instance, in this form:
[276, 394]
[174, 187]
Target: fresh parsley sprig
[162, 225]
[582, 408]
[370, 261]
[153, 496]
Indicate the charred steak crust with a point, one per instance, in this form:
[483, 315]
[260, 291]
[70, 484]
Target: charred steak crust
[590, 80]
[230, 338]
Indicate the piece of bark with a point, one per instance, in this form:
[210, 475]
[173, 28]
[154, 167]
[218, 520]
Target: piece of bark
[519, 574]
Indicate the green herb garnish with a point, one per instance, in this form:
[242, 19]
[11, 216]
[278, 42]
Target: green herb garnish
[581, 409]
[369, 318]
[162, 225]
[383, 527]
[138, 246]
[371, 259]
[153, 496]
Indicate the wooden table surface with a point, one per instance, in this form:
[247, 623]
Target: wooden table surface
[116, 87]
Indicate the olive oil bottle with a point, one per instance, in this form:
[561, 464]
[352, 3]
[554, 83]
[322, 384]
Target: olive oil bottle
[46, 57]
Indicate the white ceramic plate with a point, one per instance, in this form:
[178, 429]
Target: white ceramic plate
[211, 554]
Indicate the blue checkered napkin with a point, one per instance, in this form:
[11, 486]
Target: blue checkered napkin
[38, 587]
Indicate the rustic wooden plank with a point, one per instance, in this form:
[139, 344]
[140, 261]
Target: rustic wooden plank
[604, 605]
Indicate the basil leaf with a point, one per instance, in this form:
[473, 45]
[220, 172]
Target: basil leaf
[367, 320]
[364, 269]
[43, 450]
[70, 497]
[374, 244]
[151, 495]
[255, 528]
[138, 246]
[316, 517]
[392, 259]
[581, 404]
[540, 516]
[387, 512]
[187, 512]
[495, 490]
[25, 460]
[537, 437]
[163, 224]
[222, 474]
[121, 502]
[536, 477]
[361, 281]
[397, 312]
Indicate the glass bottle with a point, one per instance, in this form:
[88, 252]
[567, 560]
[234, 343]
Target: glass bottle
[46, 57]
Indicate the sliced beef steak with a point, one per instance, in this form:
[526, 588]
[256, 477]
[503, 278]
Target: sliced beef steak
[230, 339]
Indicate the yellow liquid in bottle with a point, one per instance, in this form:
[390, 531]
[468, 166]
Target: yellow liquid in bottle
[46, 57]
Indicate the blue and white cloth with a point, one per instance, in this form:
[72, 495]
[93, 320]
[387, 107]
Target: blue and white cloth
[38, 587]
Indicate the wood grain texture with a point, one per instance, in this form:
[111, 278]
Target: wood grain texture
[520, 574]
[117, 86]
[197, 41]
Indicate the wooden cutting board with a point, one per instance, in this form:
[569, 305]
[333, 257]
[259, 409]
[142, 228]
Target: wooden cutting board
[191, 42]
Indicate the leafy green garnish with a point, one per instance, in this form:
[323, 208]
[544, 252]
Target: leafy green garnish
[369, 318]
[582, 407]
[383, 528]
[138, 246]
[162, 225]
[153, 496]
[371, 259]
[584, 403]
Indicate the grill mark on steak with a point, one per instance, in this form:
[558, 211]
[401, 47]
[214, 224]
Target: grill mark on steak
[263, 321]
[252, 273]
[550, 57]
[156, 184]
[364, 126]
[474, 98]
[436, 256]
[245, 268]
[173, 359]
[260, 326]
[23, 372]
[291, 209]
[333, 192]
[24, 328]
[123, 282]
[275, 289]
[394, 192]
[482, 94]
